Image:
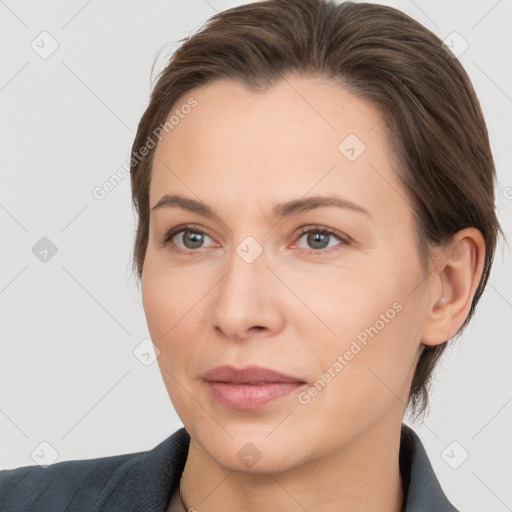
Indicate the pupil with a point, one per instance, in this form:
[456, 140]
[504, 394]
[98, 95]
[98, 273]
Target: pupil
[192, 240]
[318, 238]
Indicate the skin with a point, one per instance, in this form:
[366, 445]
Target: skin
[296, 307]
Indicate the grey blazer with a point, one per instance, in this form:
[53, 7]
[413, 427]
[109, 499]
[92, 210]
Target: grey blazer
[145, 481]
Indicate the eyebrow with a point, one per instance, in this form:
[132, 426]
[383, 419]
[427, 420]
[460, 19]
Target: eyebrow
[279, 210]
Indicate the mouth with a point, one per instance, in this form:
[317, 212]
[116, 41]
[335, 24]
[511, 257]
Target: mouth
[249, 388]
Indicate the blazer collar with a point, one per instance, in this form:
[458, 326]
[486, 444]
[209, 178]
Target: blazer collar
[423, 491]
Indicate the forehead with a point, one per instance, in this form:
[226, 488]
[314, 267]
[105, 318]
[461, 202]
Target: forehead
[301, 134]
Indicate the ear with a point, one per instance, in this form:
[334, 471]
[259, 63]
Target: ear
[453, 282]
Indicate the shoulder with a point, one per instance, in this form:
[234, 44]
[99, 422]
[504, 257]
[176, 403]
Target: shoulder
[424, 492]
[120, 482]
[51, 488]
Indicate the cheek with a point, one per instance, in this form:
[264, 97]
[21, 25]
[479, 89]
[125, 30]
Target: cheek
[370, 333]
[366, 375]
[170, 304]
[166, 316]
[169, 297]
[344, 300]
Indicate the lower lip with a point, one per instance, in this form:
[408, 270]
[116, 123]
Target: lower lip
[248, 396]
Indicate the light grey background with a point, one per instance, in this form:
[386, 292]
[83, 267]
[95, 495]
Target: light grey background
[69, 327]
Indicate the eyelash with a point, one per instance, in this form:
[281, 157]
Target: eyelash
[304, 230]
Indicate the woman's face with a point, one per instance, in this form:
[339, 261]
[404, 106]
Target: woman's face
[332, 295]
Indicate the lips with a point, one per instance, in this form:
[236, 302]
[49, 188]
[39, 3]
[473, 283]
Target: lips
[255, 375]
[249, 388]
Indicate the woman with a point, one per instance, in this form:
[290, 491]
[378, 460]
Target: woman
[314, 189]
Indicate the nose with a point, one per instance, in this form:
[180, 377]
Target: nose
[247, 301]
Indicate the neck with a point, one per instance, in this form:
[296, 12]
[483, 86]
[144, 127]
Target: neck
[363, 476]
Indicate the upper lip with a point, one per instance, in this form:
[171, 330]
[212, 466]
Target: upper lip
[248, 375]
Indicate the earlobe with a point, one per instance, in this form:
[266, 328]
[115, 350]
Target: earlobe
[458, 270]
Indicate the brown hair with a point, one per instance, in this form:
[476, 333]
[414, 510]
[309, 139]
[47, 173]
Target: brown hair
[434, 118]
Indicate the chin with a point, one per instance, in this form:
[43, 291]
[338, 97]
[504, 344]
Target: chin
[254, 458]
[249, 448]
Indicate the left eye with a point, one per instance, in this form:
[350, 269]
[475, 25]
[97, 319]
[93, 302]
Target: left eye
[320, 239]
